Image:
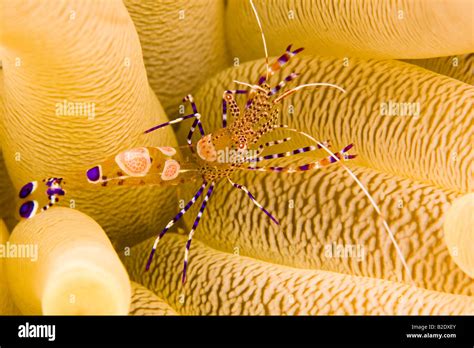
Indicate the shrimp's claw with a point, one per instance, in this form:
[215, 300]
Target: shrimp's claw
[347, 148]
[344, 153]
[292, 53]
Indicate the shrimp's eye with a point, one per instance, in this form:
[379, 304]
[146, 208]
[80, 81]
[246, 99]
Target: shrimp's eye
[241, 145]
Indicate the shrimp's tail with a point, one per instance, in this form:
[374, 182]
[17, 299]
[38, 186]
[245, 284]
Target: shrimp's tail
[30, 206]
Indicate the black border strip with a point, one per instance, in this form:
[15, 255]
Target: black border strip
[257, 330]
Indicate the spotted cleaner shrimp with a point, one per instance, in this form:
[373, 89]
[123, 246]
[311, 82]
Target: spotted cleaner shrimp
[203, 162]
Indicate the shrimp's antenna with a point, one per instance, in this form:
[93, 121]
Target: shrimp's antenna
[250, 85]
[297, 88]
[263, 38]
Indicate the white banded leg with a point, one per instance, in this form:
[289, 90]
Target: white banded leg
[197, 122]
[243, 188]
[195, 225]
[173, 221]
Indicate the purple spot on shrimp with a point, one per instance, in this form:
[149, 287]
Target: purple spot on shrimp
[28, 189]
[55, 191]
[28, 209]
[94, 174]
[305, 167]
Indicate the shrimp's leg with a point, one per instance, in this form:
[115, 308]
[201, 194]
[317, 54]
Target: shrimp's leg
[195, 114]
[275, 142]
[277, 65]
[290, 153]
[189, 98]
[284, 154]
[268, 144]
[195, 225]
[177, 120]
[243, 188]
[197, 122]
[231, 101]
[191, 132]
[282, 83]
[173, 221]
[313, 165]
